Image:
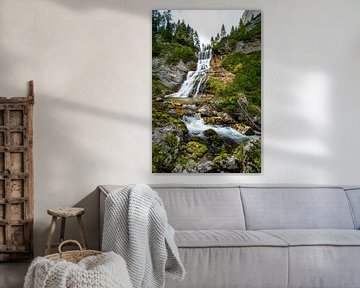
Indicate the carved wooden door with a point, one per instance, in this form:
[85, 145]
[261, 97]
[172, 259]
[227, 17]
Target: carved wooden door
[16, 177]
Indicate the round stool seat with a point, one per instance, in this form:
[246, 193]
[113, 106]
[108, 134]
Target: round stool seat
[66, 211]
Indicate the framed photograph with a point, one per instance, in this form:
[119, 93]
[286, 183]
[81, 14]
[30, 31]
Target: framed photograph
[206, 91]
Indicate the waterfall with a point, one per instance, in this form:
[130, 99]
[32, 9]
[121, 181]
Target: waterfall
[195, 81]
[196, 126]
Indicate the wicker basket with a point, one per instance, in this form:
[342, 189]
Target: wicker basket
[72, 256]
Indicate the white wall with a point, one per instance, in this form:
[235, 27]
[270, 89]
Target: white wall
[91, 63]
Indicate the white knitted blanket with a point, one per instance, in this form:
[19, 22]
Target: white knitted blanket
[136, 227]
[103, 271]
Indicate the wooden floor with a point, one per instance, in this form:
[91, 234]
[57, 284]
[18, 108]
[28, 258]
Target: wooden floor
[12, 274]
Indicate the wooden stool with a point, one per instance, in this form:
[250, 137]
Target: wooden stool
[64, 213]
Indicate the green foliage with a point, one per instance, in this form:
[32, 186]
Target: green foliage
[247, 70]
[216, 87]
[229, 104]
[176, 41]
[173, 53]
[223, 44]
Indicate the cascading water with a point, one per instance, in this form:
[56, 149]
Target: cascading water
[195, 81]
[196, 126]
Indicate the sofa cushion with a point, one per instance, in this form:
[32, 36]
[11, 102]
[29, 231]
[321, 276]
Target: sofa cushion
[315, 237]
[324, 266]
[191, 207]
[354, 198]
[226, 238]
[202, 207]
[322, 258]
[296, 208]
[224, 267]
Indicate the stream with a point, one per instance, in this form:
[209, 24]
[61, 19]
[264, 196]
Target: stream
[196, 127]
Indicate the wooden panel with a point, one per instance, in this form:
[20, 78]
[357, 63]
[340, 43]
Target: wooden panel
[2, 161]
[16, 118]
[2, 117]
[17, 211]
[2, 188]
[16, 177]
[2, 235]
[16, 162]
[2, 211]
[16, 139]
[2, 139]
[17, 234]
[17, 188]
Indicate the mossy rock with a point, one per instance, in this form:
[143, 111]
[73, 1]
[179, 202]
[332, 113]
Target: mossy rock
[165, 153]
[162, 119]
[253, 155]
[195, 149]
[250, 132]
[227, 162]
[210, 132]
[182, 160]
[222, 156]
[249, 154]
[162, 159]
[197, 139]
[172, 140]
[213, 138]
[239, 151]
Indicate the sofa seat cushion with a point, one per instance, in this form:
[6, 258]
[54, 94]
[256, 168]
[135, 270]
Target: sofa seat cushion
[226, 238]
[317, 237]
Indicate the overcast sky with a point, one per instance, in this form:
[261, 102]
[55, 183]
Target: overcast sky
[208, 22]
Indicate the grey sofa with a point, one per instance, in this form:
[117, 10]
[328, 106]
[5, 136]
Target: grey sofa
[264, 236]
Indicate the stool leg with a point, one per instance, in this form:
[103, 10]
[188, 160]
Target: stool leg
[82, 232]
[62, 231]
[51, 235]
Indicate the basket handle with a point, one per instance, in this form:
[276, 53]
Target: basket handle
[69, 241]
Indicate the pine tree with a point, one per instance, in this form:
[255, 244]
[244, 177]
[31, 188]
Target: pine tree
[196, 40]
[223, 31]
[167, 34]
[167, 16]
[242, 29]
[217, 38]
[156, 18]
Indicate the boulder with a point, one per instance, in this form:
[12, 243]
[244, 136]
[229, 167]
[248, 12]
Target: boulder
[248, 47]
[250, 16]
[169, 75]
[221, 118]
[205, 111]
[226, 162]
[189, 106]
[244, 129]
[160, 133]
[206, 167]
[210, 133]
[195, 149]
